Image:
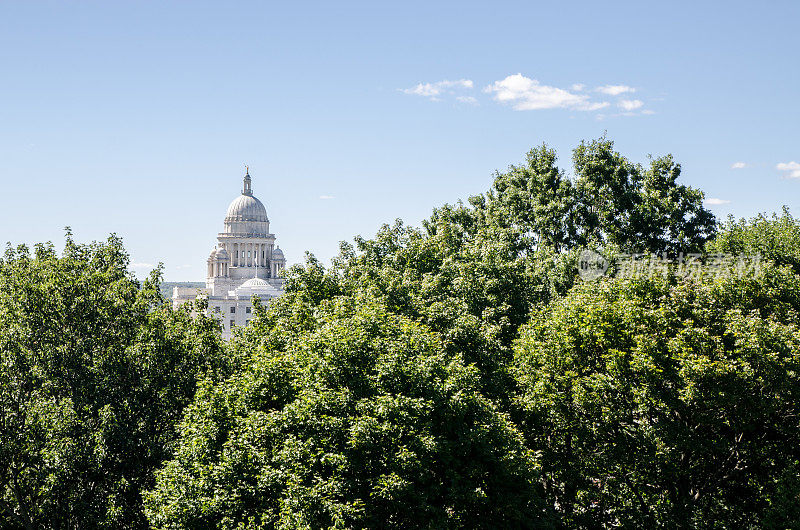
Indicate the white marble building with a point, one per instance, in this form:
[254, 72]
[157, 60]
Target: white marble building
[245, 262]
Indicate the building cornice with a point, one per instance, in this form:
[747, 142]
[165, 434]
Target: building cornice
[240, 235]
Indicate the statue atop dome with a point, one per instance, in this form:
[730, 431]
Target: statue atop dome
[247, 189]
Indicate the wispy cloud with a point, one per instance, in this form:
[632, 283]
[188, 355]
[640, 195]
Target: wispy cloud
[524, 93]
[630, 104]
[142, 265]
[615, 90]
[715, 202]
[738, 165]
[183, 266]
[434, 91]
[791, 169]
[326, 197]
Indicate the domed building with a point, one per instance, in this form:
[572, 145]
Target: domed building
[244, 263]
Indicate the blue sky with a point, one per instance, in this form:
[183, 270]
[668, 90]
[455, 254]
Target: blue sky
[138, 117]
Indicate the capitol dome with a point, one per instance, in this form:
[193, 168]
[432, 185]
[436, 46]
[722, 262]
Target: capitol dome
[244, 264]
[246, 214]
[246, 208]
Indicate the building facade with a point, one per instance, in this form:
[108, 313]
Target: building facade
[244, 263]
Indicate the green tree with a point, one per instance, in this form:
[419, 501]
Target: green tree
[475, 271]
[362, 421]
[636, 209]
[475, 290]
[609, 201]
[94, 374]
[537, 201]
[669, 217]
[659, 403]
[775, 238]
[468, 280]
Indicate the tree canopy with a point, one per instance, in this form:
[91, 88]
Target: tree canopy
[94, 376]
[455, 375]
[610, 201]
[361, 421]
[659, 403]
[774, 237]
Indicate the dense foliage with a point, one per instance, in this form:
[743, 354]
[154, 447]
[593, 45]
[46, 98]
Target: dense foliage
[93, 379]
[457, 375]
[664, 404]
[611, 201]
[358, 421]
[470, 278]
[775, 238]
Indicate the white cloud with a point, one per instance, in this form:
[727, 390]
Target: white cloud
[524, 93]
[594, 106]
[326, 197]
[439, 88]
[183, 266]
[615, 90]
[738, 165]
[142, 265]
[792, 169]
[630, 104]
[715, 202]
[648, 112]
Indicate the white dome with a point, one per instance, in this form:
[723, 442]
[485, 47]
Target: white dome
[222, 254]
[255, 282]
[258, 287]
[277, 253]
[246, 214]
[246, 208]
